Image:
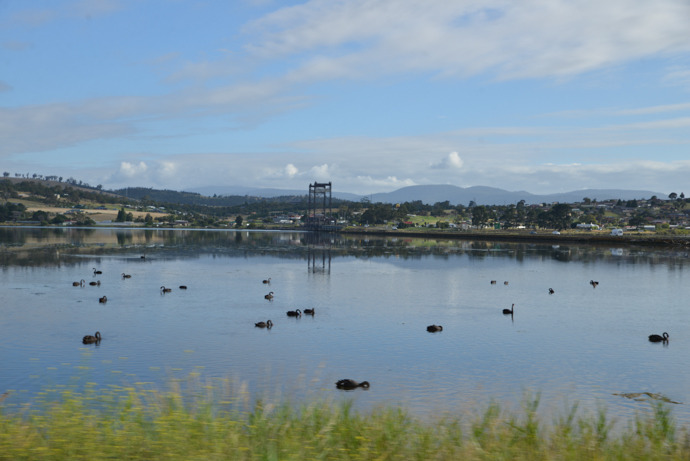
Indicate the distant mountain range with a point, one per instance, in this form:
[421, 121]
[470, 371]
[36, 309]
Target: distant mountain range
[480, 195]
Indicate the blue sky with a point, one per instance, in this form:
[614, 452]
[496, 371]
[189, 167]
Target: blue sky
[537, 95]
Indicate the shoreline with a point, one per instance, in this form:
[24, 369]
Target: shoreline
[630, 239]
[503, 236]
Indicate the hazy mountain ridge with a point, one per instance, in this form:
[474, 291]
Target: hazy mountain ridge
[430, 194]
[483, 195]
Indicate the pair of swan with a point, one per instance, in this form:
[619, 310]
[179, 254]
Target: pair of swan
[551, 291]
[659, 338]
[349, 384]
[434, 328]
[88, 339]
[267, 324]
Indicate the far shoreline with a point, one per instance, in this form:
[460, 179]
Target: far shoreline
[540, 237]
[517, 236]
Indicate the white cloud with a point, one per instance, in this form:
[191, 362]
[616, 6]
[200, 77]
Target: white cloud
[131, 170]
[291, 170]
[678, 76]
[321, 172]
[656, 109]
[529, 38]
[166, 169]
[382, 184]
[453, 160]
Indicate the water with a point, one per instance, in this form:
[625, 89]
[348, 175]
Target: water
[373, 297]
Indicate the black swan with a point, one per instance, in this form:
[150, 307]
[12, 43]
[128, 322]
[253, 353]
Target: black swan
[268, 280]
[266, 324]
[126, 276]
[80, 283]
[295, 313]
[658, 339]
[551, 291]
[96, 271]
[165, 290]
[103, 300]
[309, 311]
[269, 296]
[349, 384]
[509, 311]
[434, 328]
[88, 339]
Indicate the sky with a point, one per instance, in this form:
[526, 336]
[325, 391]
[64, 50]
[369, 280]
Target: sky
[542, 96]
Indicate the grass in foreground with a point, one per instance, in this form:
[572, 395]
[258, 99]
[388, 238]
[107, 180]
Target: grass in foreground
[139, 424]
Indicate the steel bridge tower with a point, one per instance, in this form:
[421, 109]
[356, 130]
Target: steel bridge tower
[320, 214]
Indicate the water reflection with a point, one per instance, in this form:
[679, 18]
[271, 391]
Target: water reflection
[52, 246]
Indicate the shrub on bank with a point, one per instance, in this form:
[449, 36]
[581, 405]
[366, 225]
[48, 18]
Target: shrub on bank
[142, 424]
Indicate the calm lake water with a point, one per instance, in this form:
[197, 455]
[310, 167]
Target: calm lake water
[374, 298]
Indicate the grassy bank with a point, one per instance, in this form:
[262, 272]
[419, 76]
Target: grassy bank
[131, 423]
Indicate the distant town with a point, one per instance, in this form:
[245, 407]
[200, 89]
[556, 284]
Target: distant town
[50, 201]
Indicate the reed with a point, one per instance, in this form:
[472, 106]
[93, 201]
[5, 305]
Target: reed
[146, 424]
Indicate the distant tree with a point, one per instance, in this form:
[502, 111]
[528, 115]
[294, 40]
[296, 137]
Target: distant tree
[682, 195]
[510, 216]
[637, 220]
[6, 174]
[121, 215]
[58, 219]
[672, 196]
[40, 216]
[586, 200]
[238, 221]
[148, 219]
[480, 216]
[561, 216]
